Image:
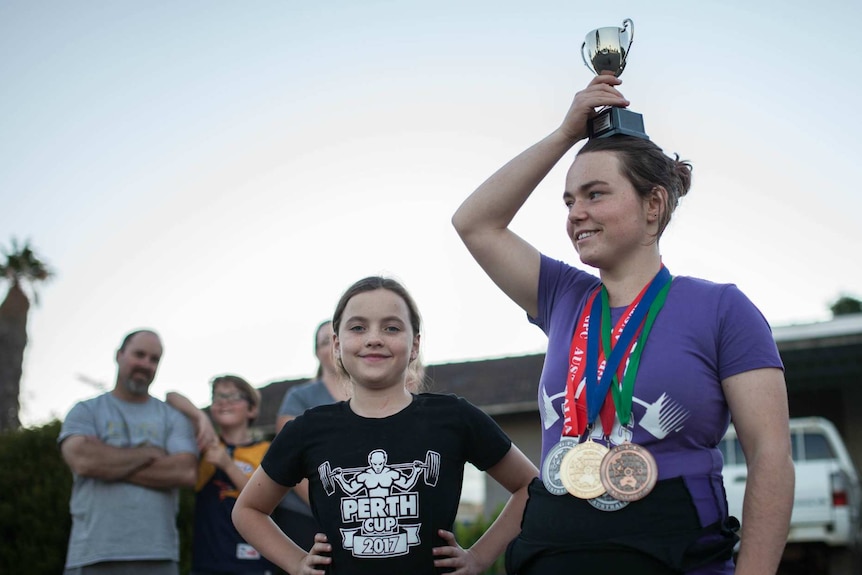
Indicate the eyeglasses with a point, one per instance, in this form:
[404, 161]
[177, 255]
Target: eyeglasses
[229, 397]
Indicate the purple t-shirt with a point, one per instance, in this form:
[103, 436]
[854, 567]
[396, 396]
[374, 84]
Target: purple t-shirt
[705, 333]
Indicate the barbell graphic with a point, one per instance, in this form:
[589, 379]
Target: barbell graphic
[431, 467]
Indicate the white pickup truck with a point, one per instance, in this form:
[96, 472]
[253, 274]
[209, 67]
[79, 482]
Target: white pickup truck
[825, 527]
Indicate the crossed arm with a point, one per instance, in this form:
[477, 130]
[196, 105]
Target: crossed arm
[145, 465]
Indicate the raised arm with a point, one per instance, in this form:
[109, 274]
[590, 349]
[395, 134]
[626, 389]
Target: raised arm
[483, 219]
[758, 406]
[514, 472]
[204, 431]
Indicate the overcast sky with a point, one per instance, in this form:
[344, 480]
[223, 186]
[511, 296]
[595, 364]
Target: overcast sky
[222, 171]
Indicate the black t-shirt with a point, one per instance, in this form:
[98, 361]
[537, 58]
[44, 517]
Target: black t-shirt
[381, 488]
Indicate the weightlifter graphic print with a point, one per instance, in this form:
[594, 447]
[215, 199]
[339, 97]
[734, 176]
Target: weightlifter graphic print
[380, 507]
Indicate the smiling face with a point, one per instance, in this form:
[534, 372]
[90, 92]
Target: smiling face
[231, 408]
[608, 223]
[137, 362]
[375, 340]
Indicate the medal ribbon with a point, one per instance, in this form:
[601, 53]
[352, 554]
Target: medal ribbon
[600, 376]
[575, 413]
[627, 371]
[575, 406]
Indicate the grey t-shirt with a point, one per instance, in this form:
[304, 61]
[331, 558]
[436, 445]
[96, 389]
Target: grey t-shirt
[117, 520]
[305, 396]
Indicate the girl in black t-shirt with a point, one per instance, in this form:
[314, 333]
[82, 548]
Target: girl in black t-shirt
[384, 468]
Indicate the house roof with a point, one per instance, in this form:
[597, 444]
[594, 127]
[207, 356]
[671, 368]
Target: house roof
[504, 385]
[822, 355]
[270, 400]
[844, 326]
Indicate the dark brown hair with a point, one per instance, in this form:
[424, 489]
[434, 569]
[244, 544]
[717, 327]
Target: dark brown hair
[372, 283]
[128, 339]
[249, 393]
[646, 166]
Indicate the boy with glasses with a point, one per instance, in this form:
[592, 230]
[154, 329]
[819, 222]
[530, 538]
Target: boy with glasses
[226, 464]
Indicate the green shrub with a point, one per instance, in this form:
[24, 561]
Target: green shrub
[185, 524]
[468, 532]
[34, 509]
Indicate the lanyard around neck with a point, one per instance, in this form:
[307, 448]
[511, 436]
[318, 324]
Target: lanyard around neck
[600, 376]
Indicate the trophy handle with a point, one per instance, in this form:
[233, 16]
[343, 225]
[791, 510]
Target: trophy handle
[584, 58]
[629, 27]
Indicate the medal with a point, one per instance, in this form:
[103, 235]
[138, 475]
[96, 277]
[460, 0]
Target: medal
[580, 470]
[573, 423]
[607, 503]
[628, 472]
[552, 463]
[607, 358]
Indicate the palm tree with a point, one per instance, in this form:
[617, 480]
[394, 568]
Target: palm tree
[21, 265]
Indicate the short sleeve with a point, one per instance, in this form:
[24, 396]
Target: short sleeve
[487, 443]
[79, 421]
[181, 437]
[560, 282]
[283, 460]
[291, 405]
[745, 338]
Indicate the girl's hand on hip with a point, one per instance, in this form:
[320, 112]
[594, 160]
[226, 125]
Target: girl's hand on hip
[454, 556]
[315, 557]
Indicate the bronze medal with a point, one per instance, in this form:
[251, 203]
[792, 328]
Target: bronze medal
[551, 466]
[580, 470]
[628, 472]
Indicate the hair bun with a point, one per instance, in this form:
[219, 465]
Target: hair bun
[683, 170]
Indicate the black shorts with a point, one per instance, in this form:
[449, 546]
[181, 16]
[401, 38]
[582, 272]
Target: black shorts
[658, 535]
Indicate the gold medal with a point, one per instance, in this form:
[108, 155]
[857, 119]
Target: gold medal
[580, 470]
[628, 472]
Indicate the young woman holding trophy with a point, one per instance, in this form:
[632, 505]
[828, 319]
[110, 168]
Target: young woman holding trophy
[643, 371]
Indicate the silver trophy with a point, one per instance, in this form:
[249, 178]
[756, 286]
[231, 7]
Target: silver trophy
[605, 51]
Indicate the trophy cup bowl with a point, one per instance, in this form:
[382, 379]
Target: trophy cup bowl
[605, 51]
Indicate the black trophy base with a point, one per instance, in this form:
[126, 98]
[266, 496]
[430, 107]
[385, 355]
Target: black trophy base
[613, 121]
